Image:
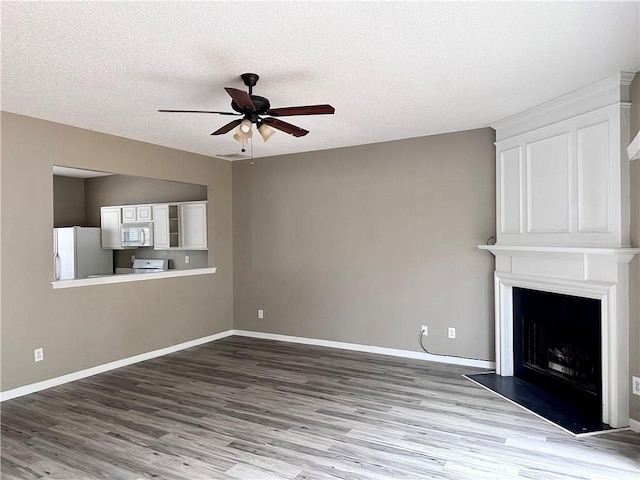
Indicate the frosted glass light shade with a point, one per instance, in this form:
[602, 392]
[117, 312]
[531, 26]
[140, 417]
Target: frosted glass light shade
[245, 126]
[265, 132]
[244, 130]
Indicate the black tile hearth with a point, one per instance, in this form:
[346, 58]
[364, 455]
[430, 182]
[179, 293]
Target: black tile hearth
[548, 406]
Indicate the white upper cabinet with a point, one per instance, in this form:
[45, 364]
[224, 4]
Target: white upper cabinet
[110, 227]
[137, 213]
[563, 172]
[193, 225]
[161, 227]
[144, 213]
[129, 214]
[180, 226]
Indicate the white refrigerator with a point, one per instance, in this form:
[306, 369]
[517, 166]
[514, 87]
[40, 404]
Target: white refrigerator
[78, 253]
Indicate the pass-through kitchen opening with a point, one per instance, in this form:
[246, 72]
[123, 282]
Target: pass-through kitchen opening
[108, 224]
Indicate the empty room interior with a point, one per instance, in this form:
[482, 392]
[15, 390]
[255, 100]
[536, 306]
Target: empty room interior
[320, 240]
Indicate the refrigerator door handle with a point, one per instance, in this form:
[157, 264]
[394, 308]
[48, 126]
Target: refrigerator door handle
[56, 266]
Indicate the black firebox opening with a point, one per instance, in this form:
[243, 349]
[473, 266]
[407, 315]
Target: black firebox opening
[557, 346]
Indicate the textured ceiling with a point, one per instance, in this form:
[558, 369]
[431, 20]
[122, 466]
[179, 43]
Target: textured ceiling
[392, 70]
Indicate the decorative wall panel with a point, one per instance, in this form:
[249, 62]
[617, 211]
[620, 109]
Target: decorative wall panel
[563, 176]
[594, 164]
[510, 191]
[548, 187]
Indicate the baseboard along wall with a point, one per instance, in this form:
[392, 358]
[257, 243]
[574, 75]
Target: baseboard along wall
[70, 377]
[53, 382]
[467, 362]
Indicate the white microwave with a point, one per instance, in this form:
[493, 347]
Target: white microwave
[136, 234]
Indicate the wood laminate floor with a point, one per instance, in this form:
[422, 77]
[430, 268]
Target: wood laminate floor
[255, 409]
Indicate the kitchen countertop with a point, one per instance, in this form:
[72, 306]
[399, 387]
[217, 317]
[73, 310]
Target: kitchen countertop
[131, 277]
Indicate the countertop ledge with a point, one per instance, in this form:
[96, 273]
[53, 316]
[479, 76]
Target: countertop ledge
[131, 277]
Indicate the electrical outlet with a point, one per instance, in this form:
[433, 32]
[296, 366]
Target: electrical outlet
[635, 385]
[260, 313]
[187, 259]
[452, 332]
[38, 354]
[425, 330]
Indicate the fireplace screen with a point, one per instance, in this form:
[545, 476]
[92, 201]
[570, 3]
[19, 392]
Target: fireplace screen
[557, 344]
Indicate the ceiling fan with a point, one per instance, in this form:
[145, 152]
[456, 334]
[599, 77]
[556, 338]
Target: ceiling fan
[253, 107]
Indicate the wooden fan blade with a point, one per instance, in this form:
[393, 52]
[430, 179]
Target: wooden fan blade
[229, 126]
[285, 127]
[306, 110]
[199, 111]
[242, 99]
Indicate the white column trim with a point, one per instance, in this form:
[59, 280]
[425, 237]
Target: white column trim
[633, 150]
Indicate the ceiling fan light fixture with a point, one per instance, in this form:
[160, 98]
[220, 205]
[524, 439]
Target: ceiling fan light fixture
[242, 133]
[245, 126]
[251, 107]
[265, 132]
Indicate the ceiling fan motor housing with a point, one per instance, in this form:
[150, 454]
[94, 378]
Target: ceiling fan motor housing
[261, 104]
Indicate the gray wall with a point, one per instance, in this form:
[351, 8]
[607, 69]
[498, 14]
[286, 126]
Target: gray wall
[68, 201]
[366, 244]
[634, 334]
[83, 327]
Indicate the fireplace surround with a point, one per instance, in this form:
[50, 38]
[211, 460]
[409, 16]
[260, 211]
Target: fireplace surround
[562, 175]
[558, 345]
[594, 273]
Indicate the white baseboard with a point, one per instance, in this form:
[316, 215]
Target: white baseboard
[53, 382]
[635, 425]
[467, 362]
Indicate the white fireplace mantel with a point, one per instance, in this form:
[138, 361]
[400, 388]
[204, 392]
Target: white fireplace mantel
[598, 273]
[579, 250]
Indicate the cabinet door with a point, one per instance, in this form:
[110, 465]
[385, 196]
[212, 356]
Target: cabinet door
[144, 213]
[129, 214]
[161, 227]
[110, 227]
[193, 226]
